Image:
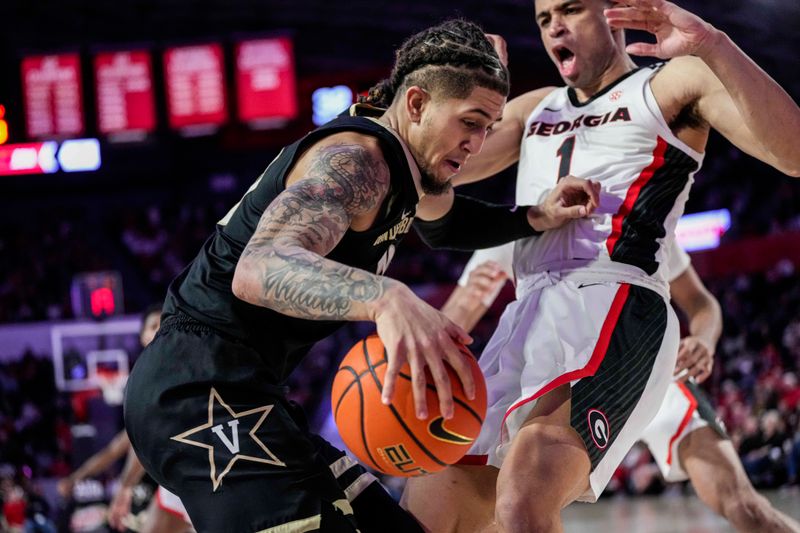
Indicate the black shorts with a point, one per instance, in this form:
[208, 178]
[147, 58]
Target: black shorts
[207, 426]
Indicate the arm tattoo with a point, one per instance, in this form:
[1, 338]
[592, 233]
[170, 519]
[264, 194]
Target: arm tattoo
[308, 286]
[303, 224]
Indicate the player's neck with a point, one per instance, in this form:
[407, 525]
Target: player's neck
[392, 120]
[618, 67]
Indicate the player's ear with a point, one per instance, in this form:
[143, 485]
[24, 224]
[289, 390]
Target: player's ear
[416, 98]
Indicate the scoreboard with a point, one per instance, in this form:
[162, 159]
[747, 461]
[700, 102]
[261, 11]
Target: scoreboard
[124, 90]
[53, 96]
[195, 86]
[265, 82]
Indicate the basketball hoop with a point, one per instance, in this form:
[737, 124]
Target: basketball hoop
[112, 383]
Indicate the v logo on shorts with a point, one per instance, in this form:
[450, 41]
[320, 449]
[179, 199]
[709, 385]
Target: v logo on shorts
[213, 436]
[233, 447]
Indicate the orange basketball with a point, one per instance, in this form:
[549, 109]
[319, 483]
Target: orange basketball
[390, 438]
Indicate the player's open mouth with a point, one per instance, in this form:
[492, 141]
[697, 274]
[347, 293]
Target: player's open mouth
[566, 60]
[454, 165]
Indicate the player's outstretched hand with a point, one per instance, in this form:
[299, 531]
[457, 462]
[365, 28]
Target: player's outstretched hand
[570, 199]
[413, 331]
[484, 280]
[695, 360]
[120, 508]
[677, 31]
[65, 487]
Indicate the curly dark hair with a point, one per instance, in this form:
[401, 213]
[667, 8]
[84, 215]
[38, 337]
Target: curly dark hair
[453, 57]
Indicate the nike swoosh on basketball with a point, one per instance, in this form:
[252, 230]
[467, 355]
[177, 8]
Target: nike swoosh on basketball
[437, 429]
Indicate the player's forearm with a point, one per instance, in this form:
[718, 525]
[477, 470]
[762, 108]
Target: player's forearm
[296, 282]
[463, 309]
[768, 110]
[103, 459]
[133, 471]
[93, 466]
[706, 322]
[472, 224]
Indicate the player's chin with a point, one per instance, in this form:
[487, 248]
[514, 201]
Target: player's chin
[436, 185]
[446, 174]
[572, 81]
[446, 181]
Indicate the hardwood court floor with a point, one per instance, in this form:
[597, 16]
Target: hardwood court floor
[669, 513]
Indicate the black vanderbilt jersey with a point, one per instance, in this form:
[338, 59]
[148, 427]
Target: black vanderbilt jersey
[203, 290]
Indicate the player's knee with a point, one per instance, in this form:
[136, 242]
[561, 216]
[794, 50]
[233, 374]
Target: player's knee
[527, 499]
[541, 436]
[515, 512]
[543, 447]
[539, 455]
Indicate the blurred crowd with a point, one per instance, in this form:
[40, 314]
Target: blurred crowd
[34, 418]
[35, 442]
[47, 251]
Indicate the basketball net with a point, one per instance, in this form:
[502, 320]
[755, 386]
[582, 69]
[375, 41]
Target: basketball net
[112, 383]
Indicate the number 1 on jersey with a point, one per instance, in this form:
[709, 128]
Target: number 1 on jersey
[565, 153]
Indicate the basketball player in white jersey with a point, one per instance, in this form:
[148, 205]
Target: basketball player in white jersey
[685, 438]
[581, 362]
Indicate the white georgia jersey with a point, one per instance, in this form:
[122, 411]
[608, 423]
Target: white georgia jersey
[620, 139]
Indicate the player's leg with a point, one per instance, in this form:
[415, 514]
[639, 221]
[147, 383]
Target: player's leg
[566, 443]
[374, 508]
[459, 499]
[720, 481]
[555, 464]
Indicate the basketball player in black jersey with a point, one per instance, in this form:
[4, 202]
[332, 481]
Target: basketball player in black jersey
[304, 250]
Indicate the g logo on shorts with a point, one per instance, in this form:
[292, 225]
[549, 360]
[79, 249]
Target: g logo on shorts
[599, 428]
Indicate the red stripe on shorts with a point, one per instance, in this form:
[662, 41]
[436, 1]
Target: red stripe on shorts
[633, 194]
[598, 354]
[685, 421]
[164, 507]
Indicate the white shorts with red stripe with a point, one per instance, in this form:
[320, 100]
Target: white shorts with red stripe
[677, 417]
[616, 343]
[172, 504]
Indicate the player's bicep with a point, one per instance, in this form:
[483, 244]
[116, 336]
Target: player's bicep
[301, 216]
[718, 109]
[688, 79]
[342, 181]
